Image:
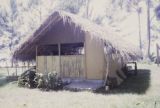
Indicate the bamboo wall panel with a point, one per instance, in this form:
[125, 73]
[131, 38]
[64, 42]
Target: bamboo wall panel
[48, 64]
[72, 66]
[40, 64]
[56, 63]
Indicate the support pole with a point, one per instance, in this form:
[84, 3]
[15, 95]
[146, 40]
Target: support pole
[36, 59]
[136, 69]
[52, 64]
[22, 66]
[107, 59]
[28, 64]
[16, 67]
[148, 28]
[85, 56]
[7, 68]
[107, 69]
[59, 54]
[158, 54]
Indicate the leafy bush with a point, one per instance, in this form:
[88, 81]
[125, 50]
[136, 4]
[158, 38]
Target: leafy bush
[27, 79]
[50, 81]
[31, 79]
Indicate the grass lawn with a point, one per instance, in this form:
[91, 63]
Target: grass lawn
[142, 91]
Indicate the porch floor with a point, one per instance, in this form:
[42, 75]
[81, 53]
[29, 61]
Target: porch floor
[81, 84]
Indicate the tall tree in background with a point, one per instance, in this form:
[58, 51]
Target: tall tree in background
[139, 23]
[72, 6]
[148, 29]
[133, 6]
[87, 8]
[157, 11]
[4, 26]
[13, 6]
[37, 6]
[13, 12]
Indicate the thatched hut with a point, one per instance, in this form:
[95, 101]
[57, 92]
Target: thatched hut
[77, 48]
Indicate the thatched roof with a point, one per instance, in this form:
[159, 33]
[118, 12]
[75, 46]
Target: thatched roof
[27, 51]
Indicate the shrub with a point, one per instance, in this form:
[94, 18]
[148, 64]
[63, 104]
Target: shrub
[31, 79]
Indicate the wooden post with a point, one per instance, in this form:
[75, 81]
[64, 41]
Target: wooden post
[59, 54]
[44, 68]
[46, 64]
[22, 66]
[85, 58]
[7, 68]
[52, 64]
[36, 59]
[135, 68]
[28, 64]
[107, 58]
[16, 67]
[158, 54]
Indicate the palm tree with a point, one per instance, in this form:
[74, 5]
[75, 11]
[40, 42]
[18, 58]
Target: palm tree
[139, 27]
[148, 29]
[133, 5]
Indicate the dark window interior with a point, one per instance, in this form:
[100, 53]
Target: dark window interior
[47, 50]
[72, 49]
[66, 49]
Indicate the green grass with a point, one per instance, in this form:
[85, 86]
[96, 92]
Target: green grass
[140, 91]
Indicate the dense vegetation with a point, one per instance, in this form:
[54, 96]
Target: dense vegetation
[133, 19]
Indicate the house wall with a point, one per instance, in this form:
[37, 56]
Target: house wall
[96, 63]
[71, 65]
[48, 64]
[95, 59]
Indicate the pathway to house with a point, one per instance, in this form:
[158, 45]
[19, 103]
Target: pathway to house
[140, 91]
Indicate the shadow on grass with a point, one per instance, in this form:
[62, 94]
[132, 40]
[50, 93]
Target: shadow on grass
[4, 80]
[133, 84]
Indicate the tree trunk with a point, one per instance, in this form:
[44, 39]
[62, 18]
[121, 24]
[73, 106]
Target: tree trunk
[148, 29]
[87, 8]
[140, 38]
[158, 48]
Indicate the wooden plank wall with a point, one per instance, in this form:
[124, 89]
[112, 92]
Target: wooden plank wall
[71, 65]
[40, 64]
[48, 64]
